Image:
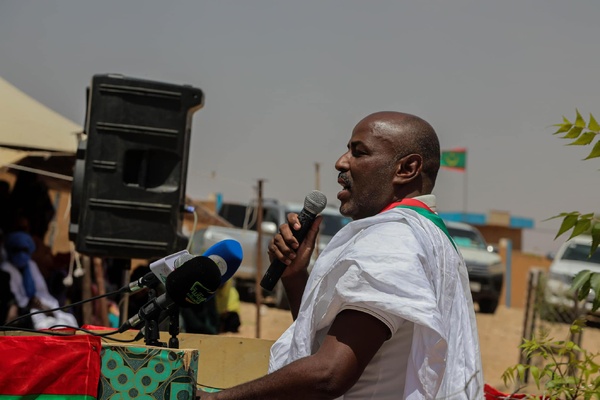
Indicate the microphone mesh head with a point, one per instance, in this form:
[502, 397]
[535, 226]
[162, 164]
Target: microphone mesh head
[194, 282]
[182, 260]
[315, 202]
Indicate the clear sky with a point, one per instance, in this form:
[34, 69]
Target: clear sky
[285, 83]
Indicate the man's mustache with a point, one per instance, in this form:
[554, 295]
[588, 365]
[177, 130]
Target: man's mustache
[345, 179]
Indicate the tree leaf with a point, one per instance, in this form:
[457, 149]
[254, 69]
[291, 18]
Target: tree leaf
[595, 283]
[595, 238]
[562, 215]
[563, 128]
[583, 140]
[595, 151]
[580, 279]
[582, 226]
[579, 121]
[593, 125]
[583, 293]
[573, 133]
[569, 222]
[521, 372]
[535, 373]
[596, 303]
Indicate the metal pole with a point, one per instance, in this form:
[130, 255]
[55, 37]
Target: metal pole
[465, 195]
[508, 278]
[258, 289]
[317, 176]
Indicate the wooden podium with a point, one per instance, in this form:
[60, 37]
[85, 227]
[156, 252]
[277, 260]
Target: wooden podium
[209, 362]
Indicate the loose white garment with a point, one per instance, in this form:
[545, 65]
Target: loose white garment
[401, 268]
[40, 321]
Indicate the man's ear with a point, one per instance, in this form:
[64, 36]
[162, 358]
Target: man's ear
[408, 168]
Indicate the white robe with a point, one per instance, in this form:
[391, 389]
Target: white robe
[40, 321]
[397, 266]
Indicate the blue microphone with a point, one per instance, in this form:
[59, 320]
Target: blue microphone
[228, 255]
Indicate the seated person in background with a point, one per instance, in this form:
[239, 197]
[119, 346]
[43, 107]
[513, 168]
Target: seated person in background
[228, 307]
[28, 285]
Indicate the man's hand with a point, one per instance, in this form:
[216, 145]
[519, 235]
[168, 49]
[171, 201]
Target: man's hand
[285, 247]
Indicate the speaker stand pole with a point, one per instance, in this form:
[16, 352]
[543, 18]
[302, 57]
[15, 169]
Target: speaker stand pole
[125, 265]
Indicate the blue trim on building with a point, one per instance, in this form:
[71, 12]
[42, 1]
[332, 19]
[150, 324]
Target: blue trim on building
[520, 222]
[481, 219]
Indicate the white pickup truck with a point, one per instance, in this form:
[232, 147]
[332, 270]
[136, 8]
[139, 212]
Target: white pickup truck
[572, 257]
[243, 218]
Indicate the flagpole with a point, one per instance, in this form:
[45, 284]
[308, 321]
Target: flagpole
[465, 196]
[465, 190]
[456, 159]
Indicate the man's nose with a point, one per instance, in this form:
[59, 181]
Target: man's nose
[342, 163]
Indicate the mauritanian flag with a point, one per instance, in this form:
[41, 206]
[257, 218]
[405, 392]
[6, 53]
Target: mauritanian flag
[455, 159]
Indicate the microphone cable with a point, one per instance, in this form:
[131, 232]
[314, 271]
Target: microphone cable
[192, 210]
[99, 334]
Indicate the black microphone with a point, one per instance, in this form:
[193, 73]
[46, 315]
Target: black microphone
[149, 280]
[314, 203]
[190, 284]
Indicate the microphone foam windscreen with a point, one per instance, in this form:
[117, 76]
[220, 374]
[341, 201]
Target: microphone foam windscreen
[315, 202]
[228, 255]
[193, 282]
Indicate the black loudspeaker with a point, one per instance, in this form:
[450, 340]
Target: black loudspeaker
[130, 174]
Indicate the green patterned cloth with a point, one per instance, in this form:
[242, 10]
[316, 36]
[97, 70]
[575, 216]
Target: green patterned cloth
[147, 373]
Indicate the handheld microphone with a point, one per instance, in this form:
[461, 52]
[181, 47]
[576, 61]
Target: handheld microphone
[314, 203]
[190, 284]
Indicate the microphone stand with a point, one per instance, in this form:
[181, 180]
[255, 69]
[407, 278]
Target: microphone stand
[174, 328]
[152, 333]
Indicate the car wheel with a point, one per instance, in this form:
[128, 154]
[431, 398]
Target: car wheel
[488, 306]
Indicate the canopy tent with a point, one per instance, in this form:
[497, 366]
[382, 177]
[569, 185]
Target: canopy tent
[32, 136]
[26, 123]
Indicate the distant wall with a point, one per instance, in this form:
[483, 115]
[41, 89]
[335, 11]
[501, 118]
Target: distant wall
[493, 234]
[521, 263]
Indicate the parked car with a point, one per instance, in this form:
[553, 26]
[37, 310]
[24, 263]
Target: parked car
[485, 267]
[572, 257]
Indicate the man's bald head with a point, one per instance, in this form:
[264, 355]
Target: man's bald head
[408, 134]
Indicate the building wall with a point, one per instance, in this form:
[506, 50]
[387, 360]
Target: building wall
[493, 234]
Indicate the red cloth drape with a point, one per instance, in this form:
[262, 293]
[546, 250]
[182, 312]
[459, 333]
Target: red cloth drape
[50, 365]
